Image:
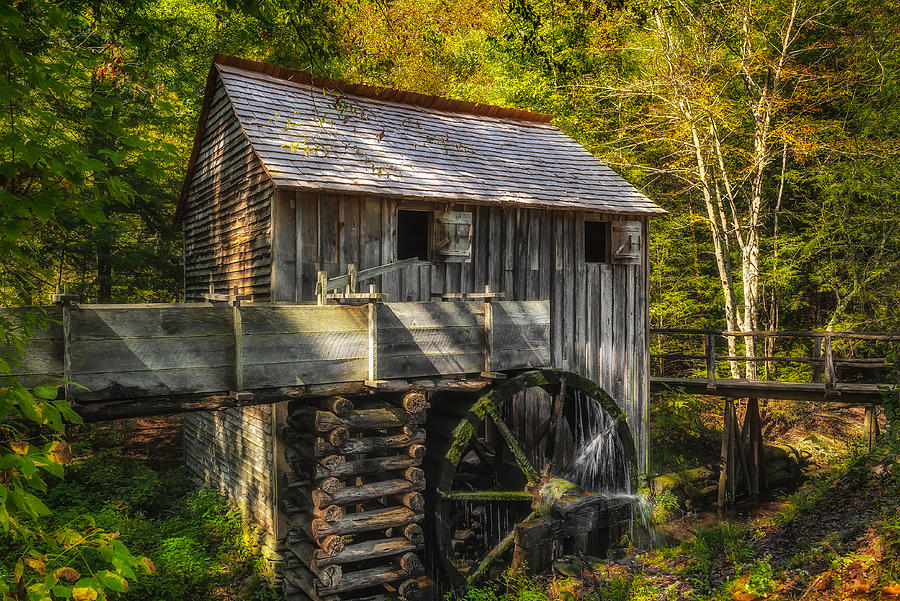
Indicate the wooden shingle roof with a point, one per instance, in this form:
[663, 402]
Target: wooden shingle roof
[320, 134]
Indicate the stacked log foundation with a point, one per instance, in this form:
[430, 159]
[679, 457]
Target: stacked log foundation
[354, 502]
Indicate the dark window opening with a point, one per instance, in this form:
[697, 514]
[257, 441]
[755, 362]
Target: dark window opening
[412, 235]
[596, 241]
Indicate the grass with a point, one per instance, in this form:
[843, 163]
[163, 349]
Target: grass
[195, 539]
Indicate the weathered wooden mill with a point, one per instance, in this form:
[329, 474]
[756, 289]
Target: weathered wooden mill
[418, 320]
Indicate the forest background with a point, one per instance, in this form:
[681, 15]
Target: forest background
[767, 128]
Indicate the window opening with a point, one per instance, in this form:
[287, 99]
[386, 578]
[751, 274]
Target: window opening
[412, 235]
[596, 241]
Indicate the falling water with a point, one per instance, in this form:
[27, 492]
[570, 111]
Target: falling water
[601, 464]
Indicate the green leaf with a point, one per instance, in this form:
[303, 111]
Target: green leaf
[30, 408]
[112, 581]
[67, 412]
[46, 392]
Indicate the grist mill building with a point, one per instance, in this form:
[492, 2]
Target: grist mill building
[294, 181]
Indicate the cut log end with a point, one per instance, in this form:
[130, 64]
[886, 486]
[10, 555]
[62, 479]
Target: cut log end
[414, 534]
[414, 474]
[414, 402]
[413, 500]
[340, 406]
[330, 485]
[338, 436]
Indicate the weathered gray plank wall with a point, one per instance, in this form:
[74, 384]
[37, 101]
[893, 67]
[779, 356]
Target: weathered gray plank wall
[227, 236]
[227, 210]
[232, 450]
[599, 318]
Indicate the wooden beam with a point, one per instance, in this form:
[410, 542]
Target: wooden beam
[365, 274]
[857, 394]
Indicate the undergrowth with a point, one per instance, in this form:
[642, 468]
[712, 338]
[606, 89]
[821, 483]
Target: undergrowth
[195, 539]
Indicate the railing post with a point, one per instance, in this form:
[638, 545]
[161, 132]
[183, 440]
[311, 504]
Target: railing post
[871, 426]
[830, 376]
[710, 360]
[817, 370]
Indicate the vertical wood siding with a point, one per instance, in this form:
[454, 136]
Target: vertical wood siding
[598, 310]
[227, 236]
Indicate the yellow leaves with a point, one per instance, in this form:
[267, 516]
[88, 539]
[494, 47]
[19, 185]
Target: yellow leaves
[84, 593]
[36, 564]
[149, 568]
[60, 452]
[19, 447]
[890, 592]
[68, 574]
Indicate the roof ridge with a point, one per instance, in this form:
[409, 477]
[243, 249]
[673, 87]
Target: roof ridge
[381, 93]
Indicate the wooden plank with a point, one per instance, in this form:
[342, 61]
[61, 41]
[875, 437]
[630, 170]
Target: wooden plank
[329, 233]
[284, 247]
[509, 251]
[151, 354]
[606, 327]
[430, 365]
[592, 318]
[533, 287]
[494, 249]
[149, 321]
[430, 341]
[353, 369]
[139, 384]
[349, 231]
[546, 256]
[43, 356]
[263, 349]
[557, 287]
[369, 238]
[414, 316]
[307, 245]
[268, 319]
[569, 273]
[390, 282]
[579, 294]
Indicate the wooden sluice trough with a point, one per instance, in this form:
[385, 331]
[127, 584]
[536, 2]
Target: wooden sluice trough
[163, 353]
[359, 477]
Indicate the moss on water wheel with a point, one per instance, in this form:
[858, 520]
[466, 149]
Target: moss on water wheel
[489, 453]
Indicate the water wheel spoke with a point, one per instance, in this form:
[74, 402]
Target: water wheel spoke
[515, 448]
[556, 430]
[485, 495]
[495, 553]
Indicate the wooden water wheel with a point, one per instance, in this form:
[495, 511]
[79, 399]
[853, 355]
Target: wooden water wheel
[507, 479]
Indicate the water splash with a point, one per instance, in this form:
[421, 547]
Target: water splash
[601, 465]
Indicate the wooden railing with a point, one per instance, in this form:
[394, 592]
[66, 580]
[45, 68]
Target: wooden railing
[742, 455]
[823, 358]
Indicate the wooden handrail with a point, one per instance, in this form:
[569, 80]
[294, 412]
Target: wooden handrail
[871, 362]
[823, 360]
[886, 336]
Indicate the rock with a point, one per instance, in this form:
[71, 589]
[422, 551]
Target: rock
[249, 586]
[569, 565]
